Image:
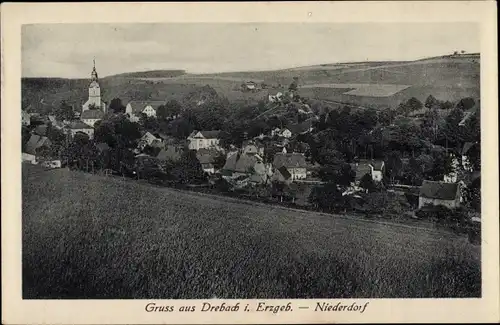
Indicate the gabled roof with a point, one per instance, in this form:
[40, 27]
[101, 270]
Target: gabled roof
[78, 125]
[241, 163]
[25, 114]
[439, 190]
[284, 172]
[377, 164]
[41, 130]
[139, 105]
[36, 141]
[361, 169]
[206, 134]
[92, 114]
[289, 160]
[206, 156]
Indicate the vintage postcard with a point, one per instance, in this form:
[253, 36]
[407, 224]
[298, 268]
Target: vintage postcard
[302, 162]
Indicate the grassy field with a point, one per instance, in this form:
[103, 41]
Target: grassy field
[86, 236]
[444, 78]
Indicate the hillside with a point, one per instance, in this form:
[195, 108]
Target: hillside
[366, 84]
[86, 236]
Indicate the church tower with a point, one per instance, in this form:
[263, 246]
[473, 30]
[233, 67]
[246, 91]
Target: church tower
[94, 93]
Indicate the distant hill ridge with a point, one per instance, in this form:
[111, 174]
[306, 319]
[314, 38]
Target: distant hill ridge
[150, 74]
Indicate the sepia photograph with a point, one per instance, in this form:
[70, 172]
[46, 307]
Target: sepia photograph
[249, 163]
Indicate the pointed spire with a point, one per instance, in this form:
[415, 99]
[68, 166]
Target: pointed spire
[94, 73]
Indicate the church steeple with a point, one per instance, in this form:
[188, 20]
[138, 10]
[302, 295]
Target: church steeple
[94, 73]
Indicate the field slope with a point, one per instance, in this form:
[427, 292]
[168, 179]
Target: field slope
[86, 236]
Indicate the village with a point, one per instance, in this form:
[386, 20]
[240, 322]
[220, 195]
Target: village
[294, 159]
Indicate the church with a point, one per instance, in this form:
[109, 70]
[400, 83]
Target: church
[94, 108]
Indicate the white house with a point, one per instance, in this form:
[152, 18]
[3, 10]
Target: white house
[203, 140]
[439, 193]
[25, 118]
[284, 133]
[76, 127]
[375, 168]
[147, 139]
[135, 108]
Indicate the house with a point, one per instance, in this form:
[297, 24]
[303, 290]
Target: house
[40, 130]
[250, 85]
[25, 118]
[55, 123]
[147, 140]
[284, 133]
[76, 127]
[375, 168]
[170, 152]
[91, 116]
[281, 175]
[469, 147]
[135, 108]
[452, 176]
[276, 98]
[203, 140]
[52, 164]
[439, 193]
[34, 144]
[468, 114]
[252, 147]
[238, 164]
[206, 157]
[295, 163]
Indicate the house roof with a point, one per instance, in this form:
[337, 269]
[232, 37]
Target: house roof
[438, 190]
[92, 114]
[25, 114]
[284, 172]
[214, 134]
[206, 156]
[139, 105]
[241, 163]
[78, 125]
[41, 129]
[36, 141]
[377, 164]
[289, 160]
[361, 169]
[468, 114]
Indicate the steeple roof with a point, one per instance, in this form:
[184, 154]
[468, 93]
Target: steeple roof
[94, 73]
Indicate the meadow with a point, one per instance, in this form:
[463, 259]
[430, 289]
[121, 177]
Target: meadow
[87, 236]
[385, 84]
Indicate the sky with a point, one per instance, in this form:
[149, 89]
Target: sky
[67, 50]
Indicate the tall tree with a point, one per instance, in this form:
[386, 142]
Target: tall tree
[64, 112]
[117, 106]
